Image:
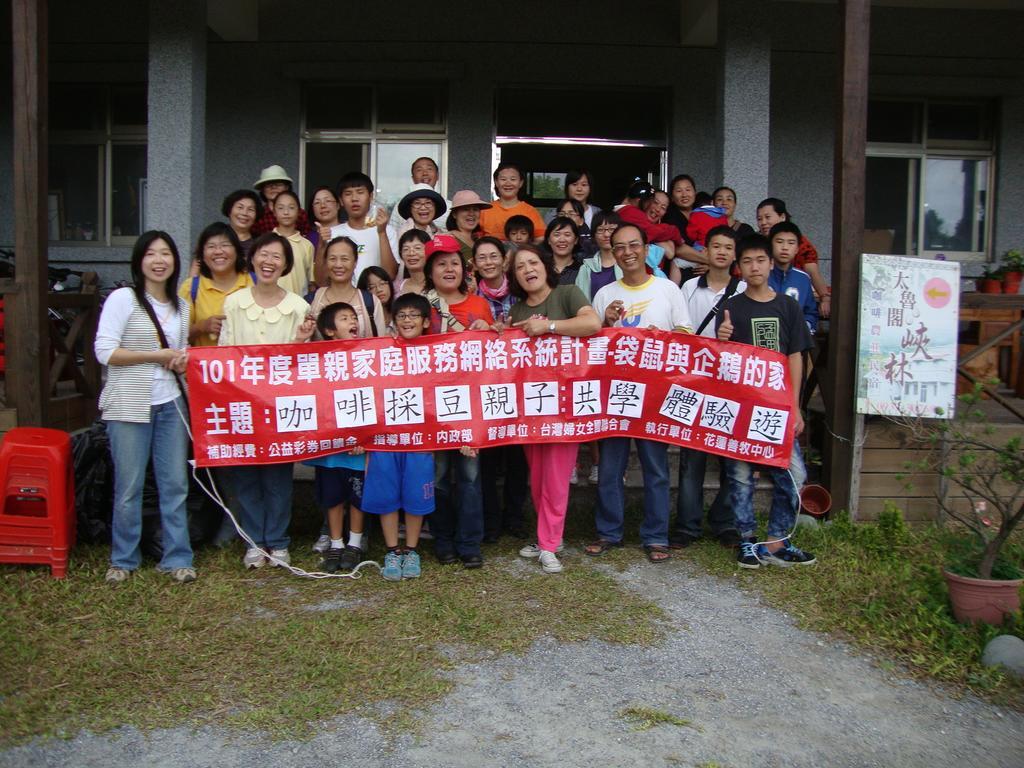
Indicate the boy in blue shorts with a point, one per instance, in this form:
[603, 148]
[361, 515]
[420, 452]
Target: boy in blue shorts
[338, 478]
[402, 479]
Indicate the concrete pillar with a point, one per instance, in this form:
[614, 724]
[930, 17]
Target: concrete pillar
[744, 100]
[470, 128]
[1009, 226]
[176, 172]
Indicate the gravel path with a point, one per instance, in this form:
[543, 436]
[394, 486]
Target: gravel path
[758, 691]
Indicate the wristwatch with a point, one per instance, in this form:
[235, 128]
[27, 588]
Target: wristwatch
[551, 327]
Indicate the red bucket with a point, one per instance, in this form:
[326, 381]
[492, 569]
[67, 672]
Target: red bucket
[815, 500]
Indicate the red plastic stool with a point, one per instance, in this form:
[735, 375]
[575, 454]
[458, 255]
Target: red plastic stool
[37, 515]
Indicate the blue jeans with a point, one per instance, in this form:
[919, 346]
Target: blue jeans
[264, 494]
[610, 493]
[785, 495]
[690, 504]
[132, 444]
[457, 522]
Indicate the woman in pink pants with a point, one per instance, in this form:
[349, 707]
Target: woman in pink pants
[545, 307]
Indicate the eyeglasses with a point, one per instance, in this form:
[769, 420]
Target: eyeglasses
[605, 230]
[633, 245]
[422, 202]
[480, 257]
[216, 245]
[408, 316]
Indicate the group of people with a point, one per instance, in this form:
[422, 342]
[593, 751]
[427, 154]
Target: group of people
[272, 273]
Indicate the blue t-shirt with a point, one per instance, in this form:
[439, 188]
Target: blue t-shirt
[340, 460]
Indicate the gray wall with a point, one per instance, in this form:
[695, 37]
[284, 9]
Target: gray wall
[253, 89]
[916, 53]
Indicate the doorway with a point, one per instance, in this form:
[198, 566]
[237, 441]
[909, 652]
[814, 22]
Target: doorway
[612, 168]
[549, 131]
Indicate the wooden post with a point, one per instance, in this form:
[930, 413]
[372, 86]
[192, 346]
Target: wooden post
[847, 241]
[28, 345]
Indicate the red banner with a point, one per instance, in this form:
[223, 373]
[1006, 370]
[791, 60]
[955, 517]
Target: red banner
[286, 402]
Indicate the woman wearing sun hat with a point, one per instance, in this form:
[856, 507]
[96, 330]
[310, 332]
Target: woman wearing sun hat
[420, 206]
[273, 181]
[464, 221]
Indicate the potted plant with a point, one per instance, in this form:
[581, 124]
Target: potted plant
[1013, 271]
[1013, 265]
[989, 282]
[984, 584]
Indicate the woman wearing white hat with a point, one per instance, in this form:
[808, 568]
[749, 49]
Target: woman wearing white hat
[273, 181]
[464, 222]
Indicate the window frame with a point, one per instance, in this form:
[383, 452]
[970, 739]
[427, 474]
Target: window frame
[104, 139]
[378, 134]
[945, 149]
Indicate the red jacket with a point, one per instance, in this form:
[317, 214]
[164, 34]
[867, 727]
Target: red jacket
[656, 233]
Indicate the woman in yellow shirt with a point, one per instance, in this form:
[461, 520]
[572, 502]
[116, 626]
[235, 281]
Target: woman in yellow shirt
[266, 313]
[222, 271]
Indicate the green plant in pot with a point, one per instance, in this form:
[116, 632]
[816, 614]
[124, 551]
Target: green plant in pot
[1013, 271]
[990, 280]
[984, 573]
[1013, 265]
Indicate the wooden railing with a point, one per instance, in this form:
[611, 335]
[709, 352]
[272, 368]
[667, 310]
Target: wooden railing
[74, 381]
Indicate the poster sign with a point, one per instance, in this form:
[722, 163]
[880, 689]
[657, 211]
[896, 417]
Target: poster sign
[908, 335]
[276, 403]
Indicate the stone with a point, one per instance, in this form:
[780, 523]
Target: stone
[1007, 650]
[807, 521]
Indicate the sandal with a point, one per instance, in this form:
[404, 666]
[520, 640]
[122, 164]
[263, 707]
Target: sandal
[601, 547]
[656, 553]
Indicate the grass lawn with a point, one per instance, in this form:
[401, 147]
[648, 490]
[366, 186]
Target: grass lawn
[264, 650]
[880, 587]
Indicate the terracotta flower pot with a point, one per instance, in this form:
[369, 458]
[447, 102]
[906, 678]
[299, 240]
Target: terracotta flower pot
[987, 600]
[1011, 286]
[990, 285]
[1013, 277]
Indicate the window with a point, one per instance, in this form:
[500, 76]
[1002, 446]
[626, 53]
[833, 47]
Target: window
[928, 178]
[97, 173]
[377, 129]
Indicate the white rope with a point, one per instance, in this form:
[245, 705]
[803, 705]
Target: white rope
[215, 496]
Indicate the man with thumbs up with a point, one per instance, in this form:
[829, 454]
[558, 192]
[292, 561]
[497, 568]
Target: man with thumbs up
[704, 297]
[764, 318]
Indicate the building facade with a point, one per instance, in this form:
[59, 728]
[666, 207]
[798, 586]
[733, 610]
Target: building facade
[159, 109]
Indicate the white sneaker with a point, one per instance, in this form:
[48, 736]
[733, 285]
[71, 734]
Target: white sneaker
[184, 575]
[254, 558]
[593, 475]
[549, 562]
[116, 575]
[322, 544]
[280, 558]
[533, 550]
[574, 478]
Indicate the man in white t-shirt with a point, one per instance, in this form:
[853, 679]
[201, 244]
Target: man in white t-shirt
[637, 300]
[640, 299]
[375, 247]
[704, 296]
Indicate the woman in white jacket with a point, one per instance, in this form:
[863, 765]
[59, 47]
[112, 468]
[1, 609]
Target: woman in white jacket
[142, 336]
